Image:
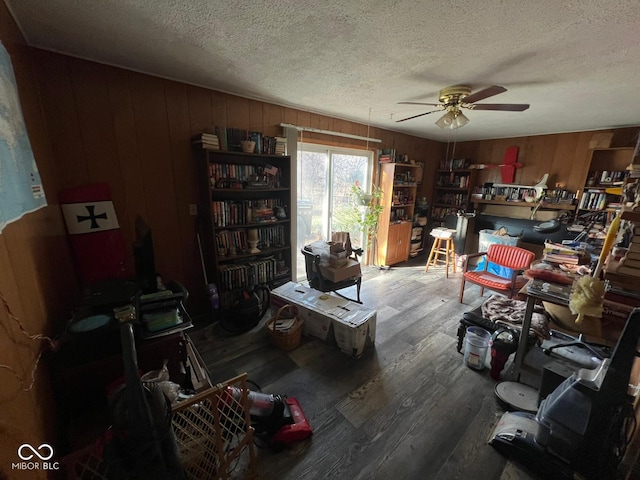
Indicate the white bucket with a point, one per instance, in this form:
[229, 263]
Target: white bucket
[476, 346]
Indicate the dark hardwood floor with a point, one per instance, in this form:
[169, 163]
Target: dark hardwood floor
[407, 409]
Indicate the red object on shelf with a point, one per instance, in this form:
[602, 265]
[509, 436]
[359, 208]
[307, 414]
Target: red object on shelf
[508, 169]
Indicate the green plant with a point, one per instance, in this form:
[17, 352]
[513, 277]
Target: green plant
[367, 205]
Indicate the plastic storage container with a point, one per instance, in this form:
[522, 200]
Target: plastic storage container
[476, 345]
[486, 238]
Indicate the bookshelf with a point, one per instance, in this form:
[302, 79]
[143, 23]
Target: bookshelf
[244, 215]
[607, 169]
[399, 185]
[452, 192]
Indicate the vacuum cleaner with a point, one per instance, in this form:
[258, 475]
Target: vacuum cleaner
[584, 426]
[276, 419]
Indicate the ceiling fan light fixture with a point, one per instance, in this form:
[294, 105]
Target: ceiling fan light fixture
[452, 119]
[460, 120]
[446, 121]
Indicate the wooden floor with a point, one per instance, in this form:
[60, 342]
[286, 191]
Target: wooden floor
[407, 409]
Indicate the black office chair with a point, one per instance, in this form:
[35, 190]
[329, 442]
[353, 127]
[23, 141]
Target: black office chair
[320, 282]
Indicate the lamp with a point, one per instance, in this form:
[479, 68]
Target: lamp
[454, 118]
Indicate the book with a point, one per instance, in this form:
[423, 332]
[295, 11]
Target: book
[627, 262]
[620, 296]
[630, 271]
[557, 258]
[633, 255]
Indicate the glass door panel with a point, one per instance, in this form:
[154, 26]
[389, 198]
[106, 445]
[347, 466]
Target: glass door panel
[313, 205]
[325, 178]
[347, 170]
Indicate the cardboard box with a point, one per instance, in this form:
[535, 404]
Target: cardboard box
[338, 259]
[326, 248]
[348, 325]
[337, 274]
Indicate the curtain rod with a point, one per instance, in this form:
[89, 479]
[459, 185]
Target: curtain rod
[329, 132]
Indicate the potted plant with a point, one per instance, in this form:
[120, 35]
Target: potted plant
[369, 208]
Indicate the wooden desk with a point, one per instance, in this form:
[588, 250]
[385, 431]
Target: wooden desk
[534, 293]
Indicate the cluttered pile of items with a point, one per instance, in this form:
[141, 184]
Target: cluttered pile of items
[585, 424]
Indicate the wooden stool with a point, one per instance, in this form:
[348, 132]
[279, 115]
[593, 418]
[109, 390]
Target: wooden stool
[440, 236]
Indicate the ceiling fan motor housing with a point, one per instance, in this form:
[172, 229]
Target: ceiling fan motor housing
[454, 95]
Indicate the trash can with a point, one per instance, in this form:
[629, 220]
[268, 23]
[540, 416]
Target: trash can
[476, 346]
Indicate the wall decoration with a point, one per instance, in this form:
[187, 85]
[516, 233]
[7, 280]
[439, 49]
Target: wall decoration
[21, 189]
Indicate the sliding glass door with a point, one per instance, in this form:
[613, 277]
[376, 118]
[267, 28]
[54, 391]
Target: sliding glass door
[325, 179]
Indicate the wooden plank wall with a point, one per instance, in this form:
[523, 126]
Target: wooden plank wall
[134, 132]
[37, 284]
[565, 156]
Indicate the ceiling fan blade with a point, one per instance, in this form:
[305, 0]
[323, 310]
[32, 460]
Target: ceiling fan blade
[416, 116]
[420, 103]
[508, 107]
[482, 94]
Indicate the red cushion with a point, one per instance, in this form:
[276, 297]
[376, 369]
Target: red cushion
[491, 280]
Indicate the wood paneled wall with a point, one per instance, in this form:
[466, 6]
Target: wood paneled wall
[37, 284]
[565, 156]
[134, 132]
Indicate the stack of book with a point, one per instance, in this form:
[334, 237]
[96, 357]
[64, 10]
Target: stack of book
[443, 232]
[387, 155]
[263, 213]
[630, 263]
[560, 254]
[208, 140]
[593, 199]
[281, 146]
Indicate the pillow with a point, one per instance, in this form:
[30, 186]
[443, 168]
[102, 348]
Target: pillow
[548, 276]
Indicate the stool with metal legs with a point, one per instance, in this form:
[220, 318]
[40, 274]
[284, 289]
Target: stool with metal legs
[442, 245]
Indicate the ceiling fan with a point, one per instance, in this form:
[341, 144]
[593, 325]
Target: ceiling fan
[453, 98]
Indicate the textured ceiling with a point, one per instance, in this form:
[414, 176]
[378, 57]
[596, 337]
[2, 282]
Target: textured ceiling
[574, 61]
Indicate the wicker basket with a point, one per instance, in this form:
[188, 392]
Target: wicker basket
[285, 340]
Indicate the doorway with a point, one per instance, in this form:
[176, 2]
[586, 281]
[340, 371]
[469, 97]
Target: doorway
[325, 177]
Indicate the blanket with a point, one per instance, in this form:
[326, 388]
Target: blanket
[510, 312]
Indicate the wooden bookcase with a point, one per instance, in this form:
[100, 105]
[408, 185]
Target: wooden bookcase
[607, 168]
[239, 198]
[451, 193]
[399, 186]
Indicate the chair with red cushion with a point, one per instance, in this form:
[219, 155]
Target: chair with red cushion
[514, 258]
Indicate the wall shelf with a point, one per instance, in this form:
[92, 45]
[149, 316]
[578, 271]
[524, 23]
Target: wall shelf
[543, 205]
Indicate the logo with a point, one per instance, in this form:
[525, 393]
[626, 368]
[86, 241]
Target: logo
[35, 458]
[26, 447]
